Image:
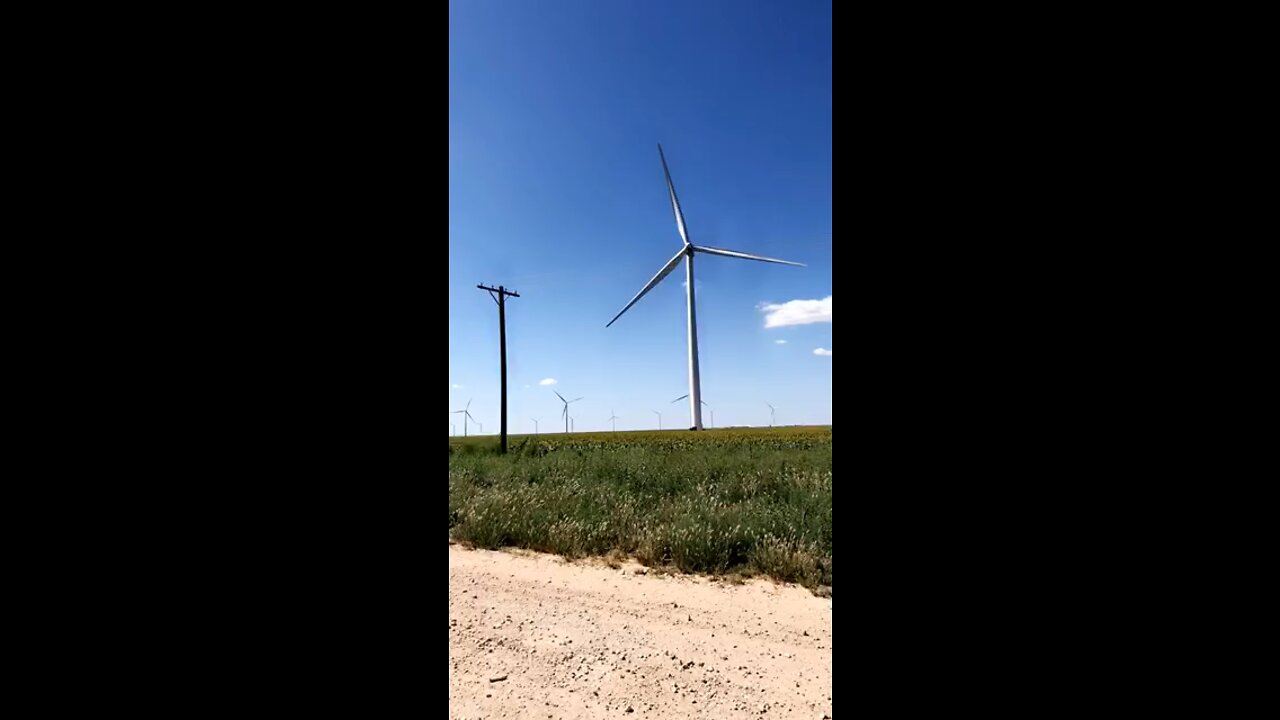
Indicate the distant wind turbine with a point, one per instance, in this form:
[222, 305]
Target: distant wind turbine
[704, 402]
[453, 429]
[655, 412]
[772, 416]
[612, 418]
[565, 412]
[466, 415]
[687, 252]
[535, 425]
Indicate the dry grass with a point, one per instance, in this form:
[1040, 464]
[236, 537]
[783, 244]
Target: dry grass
[734, 501]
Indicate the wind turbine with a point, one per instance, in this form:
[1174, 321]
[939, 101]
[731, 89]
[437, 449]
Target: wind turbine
[466, 415]
[613, 417]
[655, 412]
[453, 429]
[535, 425]
[772, 416]
[687, 252]
[704, 402]
[481, 426]
[565, 412]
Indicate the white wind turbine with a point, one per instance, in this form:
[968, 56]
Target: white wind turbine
[466, 415]
[565, 412]
[704, 402]
[535, 425]
[772, 416]
[655, 412]
[687, 252]
[613, 417]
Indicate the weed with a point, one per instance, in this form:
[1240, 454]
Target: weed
[726, 501]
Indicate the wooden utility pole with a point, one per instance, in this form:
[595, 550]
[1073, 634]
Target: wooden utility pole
[499, 295]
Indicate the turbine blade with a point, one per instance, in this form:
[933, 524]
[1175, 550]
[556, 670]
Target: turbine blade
[575, 400]
[675, 204]
[746, 256]
[680, 398]
[469, 404]
[665, 271]
[559, 395]
[455, 412]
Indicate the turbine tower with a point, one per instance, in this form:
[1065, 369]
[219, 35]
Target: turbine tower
[466, 415]
[612, 418]
[687, 252]
[772, 416]
[565, 412]
[655, 412]
[535, 425]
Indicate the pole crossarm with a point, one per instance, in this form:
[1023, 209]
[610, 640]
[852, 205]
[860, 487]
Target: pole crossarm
[500, 290]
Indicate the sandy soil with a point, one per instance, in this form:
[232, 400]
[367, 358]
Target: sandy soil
[581, 640]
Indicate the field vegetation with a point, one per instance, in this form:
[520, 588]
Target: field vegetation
[734, 502]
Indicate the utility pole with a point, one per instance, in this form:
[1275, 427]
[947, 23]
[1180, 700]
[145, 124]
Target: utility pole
[499, 295]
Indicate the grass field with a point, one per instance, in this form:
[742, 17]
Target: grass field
[737, 501]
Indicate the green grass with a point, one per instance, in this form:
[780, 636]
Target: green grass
[740, 501]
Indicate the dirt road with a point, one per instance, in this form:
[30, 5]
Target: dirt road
[582, 640]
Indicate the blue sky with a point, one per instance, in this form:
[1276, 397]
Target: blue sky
[556, 190]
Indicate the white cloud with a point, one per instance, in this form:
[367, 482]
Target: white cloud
[822, 351]
[781, 342]
[456, 386]
[547, 381]
[796, 312]
[526, 387]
